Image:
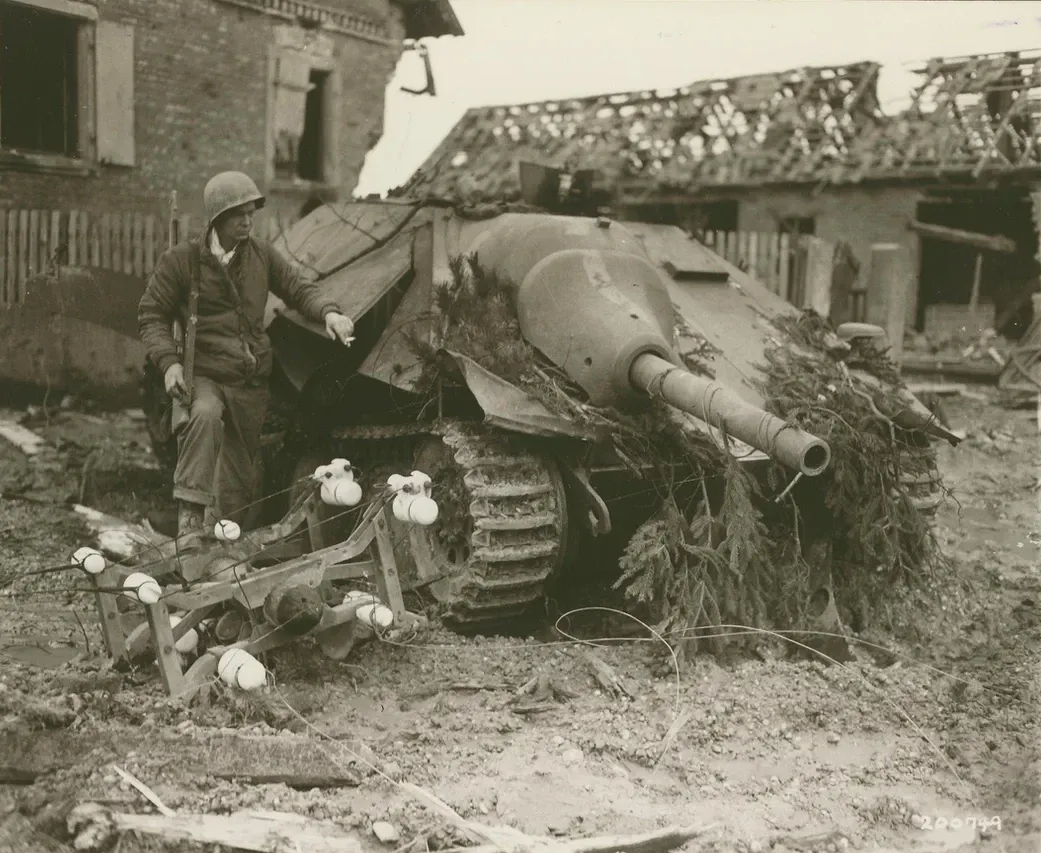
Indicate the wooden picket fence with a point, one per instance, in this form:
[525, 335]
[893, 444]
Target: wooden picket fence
[35, 241]
[784, 263]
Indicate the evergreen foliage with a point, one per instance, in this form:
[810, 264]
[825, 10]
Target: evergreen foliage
[731, 542]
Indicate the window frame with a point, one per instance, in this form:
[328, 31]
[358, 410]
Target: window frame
[86, 162]
[332, 115]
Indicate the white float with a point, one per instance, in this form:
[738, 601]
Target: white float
[341, 468]
[356, 595]
[238, 668]
[415, 510]
[338, 485]
[375, 615]
[90, 560]
[412, 501]
[227, 530]
[189, 642]
[141, 587]
[341, 492]
[423, 482]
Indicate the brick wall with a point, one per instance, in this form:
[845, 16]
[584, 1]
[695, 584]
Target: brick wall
[201, 101]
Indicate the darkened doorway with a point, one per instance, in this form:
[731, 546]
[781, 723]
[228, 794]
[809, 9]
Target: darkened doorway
[947, 269]
[311, 154]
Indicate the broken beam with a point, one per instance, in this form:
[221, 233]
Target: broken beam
[243, 830]
[966, 238]
[25, 440]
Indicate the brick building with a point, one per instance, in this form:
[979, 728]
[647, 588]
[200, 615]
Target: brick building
[955, 179]
[111, 104]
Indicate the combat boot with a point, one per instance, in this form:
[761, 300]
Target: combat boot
[190, 525]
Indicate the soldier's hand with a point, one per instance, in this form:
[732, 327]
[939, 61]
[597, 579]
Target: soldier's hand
[339, 327]
[174, 381]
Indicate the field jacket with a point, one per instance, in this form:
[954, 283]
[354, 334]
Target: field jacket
[231, 345]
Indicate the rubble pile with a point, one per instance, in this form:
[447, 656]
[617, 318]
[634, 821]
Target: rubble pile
[74, 453]
[988, 346]
[777, 754]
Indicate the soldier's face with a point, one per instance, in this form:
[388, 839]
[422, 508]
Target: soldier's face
[235, 225]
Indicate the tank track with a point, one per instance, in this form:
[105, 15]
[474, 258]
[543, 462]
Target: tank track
[513, 511]
[519, 526]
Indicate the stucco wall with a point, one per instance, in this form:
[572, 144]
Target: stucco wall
[860, 216]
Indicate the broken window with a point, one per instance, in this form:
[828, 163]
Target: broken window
[720, 216]
[798, 226]
[300, 119]
[38, 80]
[964, 289]
[311, 154]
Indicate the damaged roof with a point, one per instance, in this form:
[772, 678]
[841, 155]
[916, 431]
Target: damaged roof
[969, 116]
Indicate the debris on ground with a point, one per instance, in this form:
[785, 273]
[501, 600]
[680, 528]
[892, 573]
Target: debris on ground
[985, 346]
[932, 721]
[25, 440]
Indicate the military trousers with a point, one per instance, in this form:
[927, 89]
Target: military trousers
[218, 450]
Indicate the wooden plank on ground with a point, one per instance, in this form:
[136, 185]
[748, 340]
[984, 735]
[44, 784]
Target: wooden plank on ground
[25, 440]
[245, 831]
[226, 756]
[950, 367]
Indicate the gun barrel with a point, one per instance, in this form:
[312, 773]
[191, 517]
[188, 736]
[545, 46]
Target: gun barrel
[718, 406]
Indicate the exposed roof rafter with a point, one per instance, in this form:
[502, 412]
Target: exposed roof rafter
[969, 117]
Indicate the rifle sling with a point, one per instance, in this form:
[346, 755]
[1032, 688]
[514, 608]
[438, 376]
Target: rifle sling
[193, 318]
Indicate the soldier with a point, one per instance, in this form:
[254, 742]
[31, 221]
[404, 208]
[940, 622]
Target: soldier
[217, 287]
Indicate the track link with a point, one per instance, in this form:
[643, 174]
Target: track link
[519, 526]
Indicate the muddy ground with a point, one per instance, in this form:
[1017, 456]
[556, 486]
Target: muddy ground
[913, 749]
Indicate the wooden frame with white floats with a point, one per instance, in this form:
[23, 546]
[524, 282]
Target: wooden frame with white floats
[222, 572]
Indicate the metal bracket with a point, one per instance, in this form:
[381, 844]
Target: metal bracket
[431, 87]
[598, 516]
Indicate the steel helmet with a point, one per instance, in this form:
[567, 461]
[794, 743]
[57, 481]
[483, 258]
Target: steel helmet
[228, 190]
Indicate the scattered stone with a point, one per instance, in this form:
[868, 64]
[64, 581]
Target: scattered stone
[385, 832]
[572, 756]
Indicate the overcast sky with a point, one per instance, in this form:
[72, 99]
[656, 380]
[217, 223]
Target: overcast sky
[533, 50]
